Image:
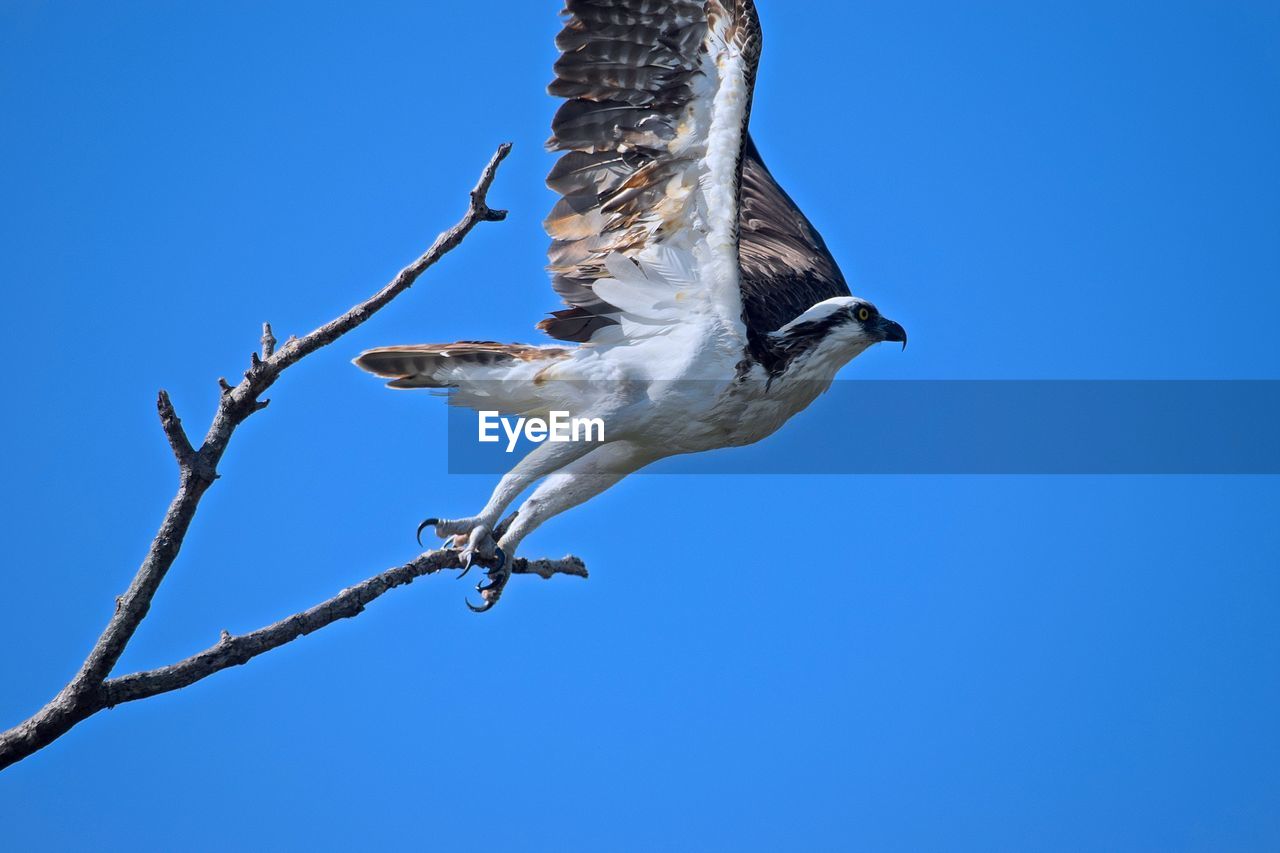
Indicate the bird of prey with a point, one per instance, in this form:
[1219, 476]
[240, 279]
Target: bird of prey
[703, 310]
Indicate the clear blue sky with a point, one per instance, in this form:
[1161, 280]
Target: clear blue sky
[1066, 190]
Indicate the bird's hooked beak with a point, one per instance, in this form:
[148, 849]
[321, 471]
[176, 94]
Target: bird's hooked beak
[891, 331]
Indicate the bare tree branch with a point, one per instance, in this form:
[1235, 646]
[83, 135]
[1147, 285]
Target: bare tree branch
[234, 650]
[90, 690]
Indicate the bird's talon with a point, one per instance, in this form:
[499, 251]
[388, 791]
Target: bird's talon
[495, 582]
[430, 522]
[486, 606]
[477, 547]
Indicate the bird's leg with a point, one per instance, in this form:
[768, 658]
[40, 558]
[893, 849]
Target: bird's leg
[542, 460]
[577, 482]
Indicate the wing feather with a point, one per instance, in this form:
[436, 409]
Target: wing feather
[658, 98]
[785, 265]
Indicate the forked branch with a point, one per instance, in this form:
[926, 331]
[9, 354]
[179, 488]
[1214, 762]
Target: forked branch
[92, 690]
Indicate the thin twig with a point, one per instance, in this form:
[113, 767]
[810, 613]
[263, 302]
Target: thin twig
[172, 426]
[90, 691]
[268, 341]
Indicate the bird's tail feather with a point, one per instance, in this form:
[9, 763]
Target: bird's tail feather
[450, 365]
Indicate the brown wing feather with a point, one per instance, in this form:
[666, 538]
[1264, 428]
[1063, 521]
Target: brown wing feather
[785, 266]
[628, 68]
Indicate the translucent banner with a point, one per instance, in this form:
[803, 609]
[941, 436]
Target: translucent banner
[924, 427]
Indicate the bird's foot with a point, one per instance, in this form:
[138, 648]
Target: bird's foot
[497, 576]
[480, 548]
[452, 531]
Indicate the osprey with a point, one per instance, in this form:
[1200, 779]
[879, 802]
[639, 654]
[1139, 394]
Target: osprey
[703, 309]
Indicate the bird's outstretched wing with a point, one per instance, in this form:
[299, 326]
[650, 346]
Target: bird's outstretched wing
[658, 98]
[785, 266]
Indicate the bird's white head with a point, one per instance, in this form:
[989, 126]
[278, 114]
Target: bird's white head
[836, 330]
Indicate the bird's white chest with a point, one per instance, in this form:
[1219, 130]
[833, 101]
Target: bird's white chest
[691, 416]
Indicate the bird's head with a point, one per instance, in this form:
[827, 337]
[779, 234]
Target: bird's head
[842, 327]
[866, 323]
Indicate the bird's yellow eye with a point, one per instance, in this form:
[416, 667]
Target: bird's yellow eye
[863, 314]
